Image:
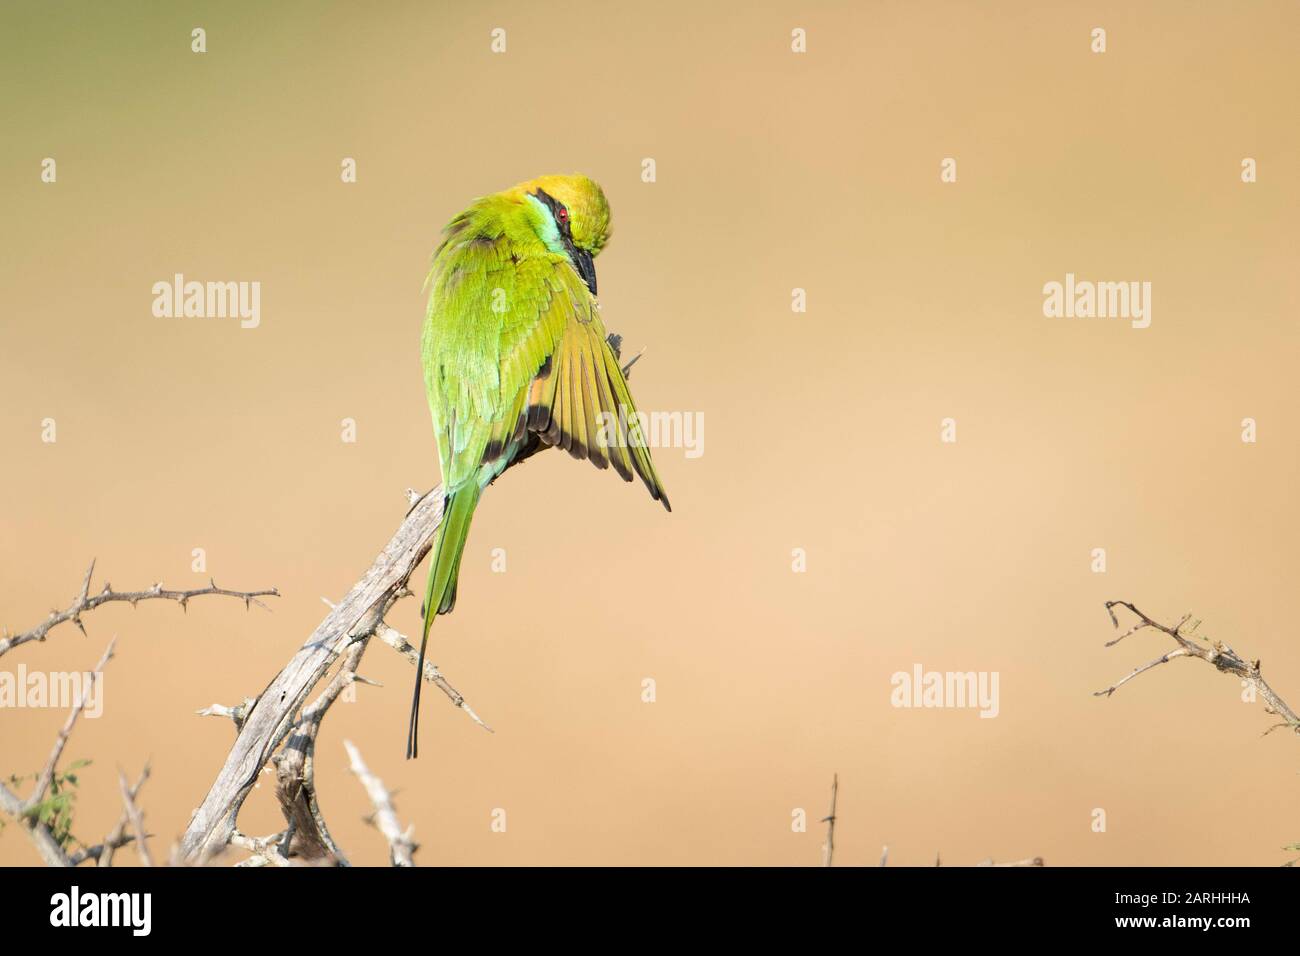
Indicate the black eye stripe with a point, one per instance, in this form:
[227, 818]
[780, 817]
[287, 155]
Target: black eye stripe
[555, 206]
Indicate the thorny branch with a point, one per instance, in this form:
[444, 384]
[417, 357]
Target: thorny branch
[403, 646]
[279, 715]
[1217, 653]
[85, 601]
[270, 719]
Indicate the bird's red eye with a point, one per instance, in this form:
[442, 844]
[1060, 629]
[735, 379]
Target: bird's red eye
[563, 215]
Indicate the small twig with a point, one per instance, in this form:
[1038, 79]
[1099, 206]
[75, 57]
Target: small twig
[236, 713]
[101, 851]
[401, 843]
[829, 848]
[137, 819]
[51, 763]
[1162, 659]
[398, 642]
[86, 601]
[118, 837]
[616, 344]
[265, 850]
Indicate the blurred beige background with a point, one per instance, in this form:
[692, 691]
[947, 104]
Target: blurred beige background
[775, 171]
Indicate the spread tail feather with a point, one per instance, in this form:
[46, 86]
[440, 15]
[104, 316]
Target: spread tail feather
[440, 592]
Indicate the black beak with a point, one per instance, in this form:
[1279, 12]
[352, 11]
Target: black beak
[582, 261]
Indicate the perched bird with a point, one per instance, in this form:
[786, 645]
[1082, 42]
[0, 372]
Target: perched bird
[516, 359]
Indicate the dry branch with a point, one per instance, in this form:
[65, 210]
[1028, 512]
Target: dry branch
[265, 850]
[86, 601]
[1220, 655]
[399, 642]
[271, 718]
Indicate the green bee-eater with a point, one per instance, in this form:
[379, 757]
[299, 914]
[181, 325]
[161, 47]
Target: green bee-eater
[516, 359]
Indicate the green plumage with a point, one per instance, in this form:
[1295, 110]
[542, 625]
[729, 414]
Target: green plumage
[516, 357]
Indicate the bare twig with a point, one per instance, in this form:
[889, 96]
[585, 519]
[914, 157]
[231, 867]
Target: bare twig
[51, 763]
[1217, 653]
[137, 819]
[398, 642]
[236, 713]
[828, 851]
[118, 837]
[401, 843]
[266, 850]
[86, 601]
[101, 851]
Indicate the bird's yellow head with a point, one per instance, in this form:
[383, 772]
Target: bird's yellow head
[572, 217]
